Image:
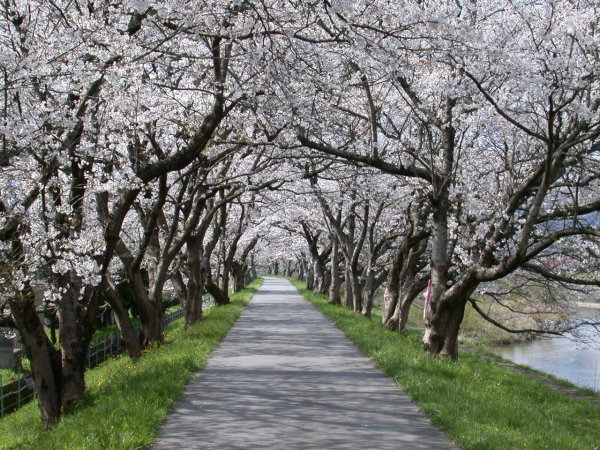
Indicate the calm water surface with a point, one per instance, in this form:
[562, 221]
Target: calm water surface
[562, 357]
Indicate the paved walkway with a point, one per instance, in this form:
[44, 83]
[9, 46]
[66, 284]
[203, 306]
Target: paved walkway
[286, 378]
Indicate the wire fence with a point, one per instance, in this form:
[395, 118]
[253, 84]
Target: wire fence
[172, 316]
[20, 391]
[15, 394]
[101, 348]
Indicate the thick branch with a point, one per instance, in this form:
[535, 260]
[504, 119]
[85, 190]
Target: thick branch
[413, 172]
[511, 330]
[536, 268]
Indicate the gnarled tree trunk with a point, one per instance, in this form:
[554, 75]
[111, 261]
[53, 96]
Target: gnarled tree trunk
[128, 334]
[301, 270]
[192, 307]
[445, 318]
[152, 323]
[356, 287]
[349, 299]
[238, 271]
[325, 282]
[310, 277]
[335, 297]
[45, 359]
[217, 293]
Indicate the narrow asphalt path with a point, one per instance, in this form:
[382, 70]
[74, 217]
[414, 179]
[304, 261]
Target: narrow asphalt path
[286, 378]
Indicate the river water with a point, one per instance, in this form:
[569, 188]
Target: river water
[563, 357]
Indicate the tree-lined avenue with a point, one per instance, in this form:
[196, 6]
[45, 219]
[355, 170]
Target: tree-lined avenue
[286, 377]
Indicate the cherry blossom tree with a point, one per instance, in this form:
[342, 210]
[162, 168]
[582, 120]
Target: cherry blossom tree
[437, 89]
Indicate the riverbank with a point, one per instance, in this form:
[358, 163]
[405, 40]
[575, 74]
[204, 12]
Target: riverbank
[125, 403]
[554, 383]
[479, 333]
[477, 401]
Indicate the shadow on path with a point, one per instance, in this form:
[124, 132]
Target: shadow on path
[286, 377]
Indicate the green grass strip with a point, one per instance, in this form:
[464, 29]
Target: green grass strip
[477, 402]
[125, 403]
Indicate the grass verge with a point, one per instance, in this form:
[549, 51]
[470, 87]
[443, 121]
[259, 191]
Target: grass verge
[477, 402]
[125, 403]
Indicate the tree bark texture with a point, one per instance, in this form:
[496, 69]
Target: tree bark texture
[128, 334]
[197, 268]
[356, 291]
[349, 299]
[335, 297]
[310, 277]
[217, 293]
[325, 283]
[369, 292]
[238, 272]
[45, 359]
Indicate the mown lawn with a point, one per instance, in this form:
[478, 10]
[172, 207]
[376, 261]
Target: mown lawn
[125, 403]
[477, 402]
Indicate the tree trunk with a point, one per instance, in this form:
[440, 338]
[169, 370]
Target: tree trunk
[179, 286]
[445, 309]
[325, 283]
[252, 273]
[238, 271]
[128, 334]
[310, 278]
[58, 375]
[75, 334]
[349, 300]
[356, 291]
[73, 354]
[441, 335]
[149, 308]
[399, 318]
[192, 308]
[390, 302]
[45, 359]
[403, 312]
[369, 293]
[225, 282]
[443, 324]
[392, 291]
[319, 275]
[335, 297]
[152, 322]
[220, 298]
[302, 274]
[53, 327]
[239, 281]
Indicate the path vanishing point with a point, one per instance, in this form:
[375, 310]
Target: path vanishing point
[286, 378]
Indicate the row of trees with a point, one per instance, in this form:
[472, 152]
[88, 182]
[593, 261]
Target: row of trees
[367, 144]
[113, 171]
[487, 115]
